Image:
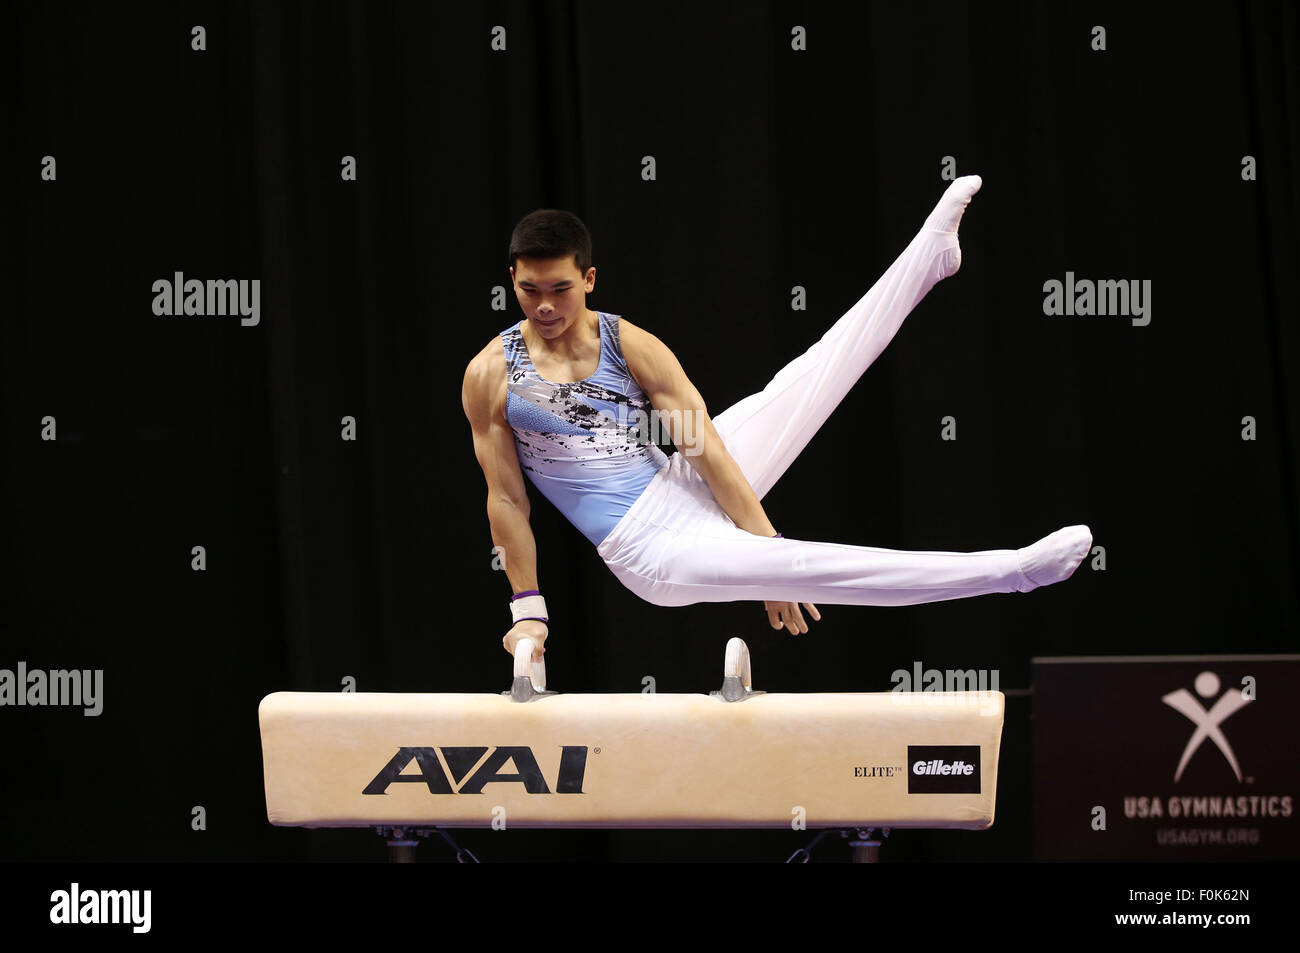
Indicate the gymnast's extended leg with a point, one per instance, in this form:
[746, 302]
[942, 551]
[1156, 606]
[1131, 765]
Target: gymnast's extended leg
[766, 431]
[707, 558]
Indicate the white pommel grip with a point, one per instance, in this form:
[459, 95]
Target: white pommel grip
[736, 662]
[524, 664]
[737, 681]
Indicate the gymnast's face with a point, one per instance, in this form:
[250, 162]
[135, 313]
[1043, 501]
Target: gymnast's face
[552, 293]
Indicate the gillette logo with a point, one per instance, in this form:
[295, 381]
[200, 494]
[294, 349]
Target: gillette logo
[943, 769]
[938, 767]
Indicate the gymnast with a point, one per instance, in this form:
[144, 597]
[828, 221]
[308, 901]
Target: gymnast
[562, 395]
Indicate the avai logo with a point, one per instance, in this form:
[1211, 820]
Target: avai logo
[943, 769]
[1207, 721]
[460, 761]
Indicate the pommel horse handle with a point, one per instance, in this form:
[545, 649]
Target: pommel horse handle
[529, 676]
[736, 676]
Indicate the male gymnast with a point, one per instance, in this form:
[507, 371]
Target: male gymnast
[565, 393]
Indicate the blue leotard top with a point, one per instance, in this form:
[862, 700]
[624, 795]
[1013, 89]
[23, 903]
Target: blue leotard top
[583, 444]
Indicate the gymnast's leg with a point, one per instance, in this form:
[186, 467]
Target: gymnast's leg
[682, 548]
[716, 561]
[766, 431]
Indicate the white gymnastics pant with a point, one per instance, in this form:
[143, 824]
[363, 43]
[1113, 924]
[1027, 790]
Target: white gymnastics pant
[676, 546]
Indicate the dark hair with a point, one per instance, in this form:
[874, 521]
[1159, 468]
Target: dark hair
[551, 233]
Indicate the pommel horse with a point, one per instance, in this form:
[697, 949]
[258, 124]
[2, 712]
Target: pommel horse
[411, 764]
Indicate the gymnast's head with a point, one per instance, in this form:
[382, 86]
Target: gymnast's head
[550, 265]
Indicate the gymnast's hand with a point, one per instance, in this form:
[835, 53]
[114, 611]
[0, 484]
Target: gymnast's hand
[527, 628]
[787, 614]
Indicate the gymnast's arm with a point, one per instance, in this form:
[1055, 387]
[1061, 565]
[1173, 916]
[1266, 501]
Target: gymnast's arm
[658, 372]
[483, 398]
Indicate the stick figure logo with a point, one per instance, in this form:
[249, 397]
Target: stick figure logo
[1207, 721]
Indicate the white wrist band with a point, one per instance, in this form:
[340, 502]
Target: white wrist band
[529, 607]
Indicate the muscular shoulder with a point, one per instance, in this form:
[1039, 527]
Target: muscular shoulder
[641, 350]
[485, 379]
[659, 373]
[627, 330]
[649, 360]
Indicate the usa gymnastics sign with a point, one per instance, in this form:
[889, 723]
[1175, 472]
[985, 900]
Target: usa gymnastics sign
[1166, 757]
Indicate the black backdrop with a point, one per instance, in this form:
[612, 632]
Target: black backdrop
[371, 559]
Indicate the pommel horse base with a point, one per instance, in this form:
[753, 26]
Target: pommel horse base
[411, 764]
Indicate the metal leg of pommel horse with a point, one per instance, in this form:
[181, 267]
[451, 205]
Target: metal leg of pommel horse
[402, 842]
[865, 847]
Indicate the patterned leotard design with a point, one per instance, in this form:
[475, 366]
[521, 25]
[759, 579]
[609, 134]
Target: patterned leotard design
[583, 444]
